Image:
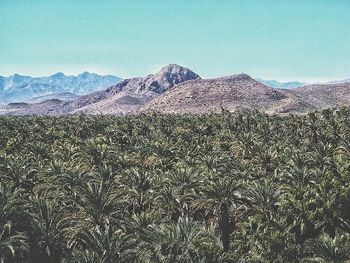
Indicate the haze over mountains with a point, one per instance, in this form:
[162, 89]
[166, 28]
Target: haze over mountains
[176, 89]
[18, 88]
[338, 81]
[281, 85]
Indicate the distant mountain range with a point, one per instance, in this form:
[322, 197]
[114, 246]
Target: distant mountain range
[176, 89]
[295, 84]
[338, 81]
[17, 88]
[281, 85]
[63, 96]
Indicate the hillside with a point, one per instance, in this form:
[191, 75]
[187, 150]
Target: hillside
[237, 92]
[321, 96]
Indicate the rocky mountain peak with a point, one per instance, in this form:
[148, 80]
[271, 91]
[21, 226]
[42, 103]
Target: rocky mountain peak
[174, 72]
[18, 78]
[58, 75]
[168, 77]
[86, 75]
[157, 83]
[239, 77]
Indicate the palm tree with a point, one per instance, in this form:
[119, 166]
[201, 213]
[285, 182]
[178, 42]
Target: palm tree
[136, 185]
[183, 241]
[18, 172]
[99, 203]
[83, 256]
[13, 207]
[176, 193]
[168, 202]
[51, 225]
[13, 245]
[263, 199]
[218, 196]
[103, 245]
[328, 250]
[258, 241]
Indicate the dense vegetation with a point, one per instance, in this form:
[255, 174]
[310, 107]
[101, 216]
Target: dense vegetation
[229, 187]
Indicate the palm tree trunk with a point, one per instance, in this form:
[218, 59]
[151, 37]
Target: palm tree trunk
[224, 227]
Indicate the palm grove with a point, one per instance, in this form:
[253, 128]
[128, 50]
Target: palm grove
[228, 187]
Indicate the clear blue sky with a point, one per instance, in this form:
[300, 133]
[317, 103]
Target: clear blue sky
[278, 39]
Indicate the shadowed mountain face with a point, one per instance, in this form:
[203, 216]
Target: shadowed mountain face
[175, 89]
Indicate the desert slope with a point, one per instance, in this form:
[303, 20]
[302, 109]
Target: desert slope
[236, 92]
[321, 96]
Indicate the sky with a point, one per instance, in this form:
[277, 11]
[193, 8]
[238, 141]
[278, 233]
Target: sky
[305, 40]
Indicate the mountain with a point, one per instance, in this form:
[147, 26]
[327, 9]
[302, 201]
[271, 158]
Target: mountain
[295, 84]
[131, 94]
[48, 107]
[338, 81]
[124, 97]
[241, 92]
[236, 92]
[19, 88]
[281, 85]
[321, 96]
[176, 89]
[63, 96]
